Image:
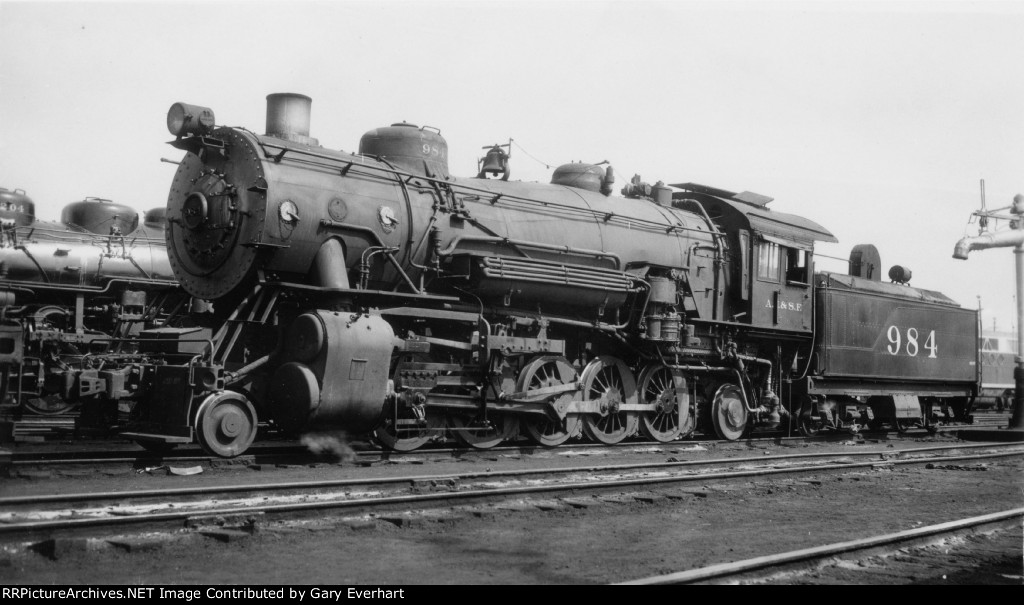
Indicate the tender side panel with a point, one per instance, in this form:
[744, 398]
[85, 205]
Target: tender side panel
[867, 335]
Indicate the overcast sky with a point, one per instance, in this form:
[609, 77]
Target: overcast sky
[874, 119]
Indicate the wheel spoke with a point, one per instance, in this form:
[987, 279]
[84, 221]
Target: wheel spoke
[606, 376]
[542, 372]
[659, 388]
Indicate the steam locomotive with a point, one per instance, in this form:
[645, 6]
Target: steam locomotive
[376, 292]
[71, 292]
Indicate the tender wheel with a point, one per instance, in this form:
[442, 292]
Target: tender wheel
[408, 436]
[729, 413]
[809, 426]
[809, 423]
[503, 427]
[658, 386]
[226, 424]
[905, 424]
[608, 377]
[544, 372]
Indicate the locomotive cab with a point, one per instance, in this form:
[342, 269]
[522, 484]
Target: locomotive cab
[771, 255]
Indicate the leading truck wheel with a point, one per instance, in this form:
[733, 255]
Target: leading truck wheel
[226, 424]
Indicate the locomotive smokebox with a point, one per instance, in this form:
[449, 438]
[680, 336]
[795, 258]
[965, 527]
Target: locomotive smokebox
[288, 117]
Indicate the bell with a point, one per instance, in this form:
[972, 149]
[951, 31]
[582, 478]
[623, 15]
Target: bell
[495, 163]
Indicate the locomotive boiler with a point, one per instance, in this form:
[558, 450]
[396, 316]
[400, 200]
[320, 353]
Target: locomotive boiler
[375, 291]
[71, 290]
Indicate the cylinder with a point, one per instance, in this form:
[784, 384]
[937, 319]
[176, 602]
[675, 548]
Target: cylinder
[288, 116]
[305, 338]
[345, 379]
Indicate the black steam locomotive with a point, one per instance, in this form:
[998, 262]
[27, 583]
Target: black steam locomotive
[71, 292]
[374, 291]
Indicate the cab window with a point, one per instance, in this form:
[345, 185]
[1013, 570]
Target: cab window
[768, 261]
[796, 265]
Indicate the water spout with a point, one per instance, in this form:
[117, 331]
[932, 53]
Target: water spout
[999, 239]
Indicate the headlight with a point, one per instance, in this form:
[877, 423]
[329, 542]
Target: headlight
[184, 119]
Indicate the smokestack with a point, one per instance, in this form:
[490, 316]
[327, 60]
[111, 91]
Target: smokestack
[288, 117]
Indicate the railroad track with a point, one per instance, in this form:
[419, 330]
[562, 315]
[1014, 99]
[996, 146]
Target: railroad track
[28, 516]
[366, 453]
[300, 454]
[787, 566]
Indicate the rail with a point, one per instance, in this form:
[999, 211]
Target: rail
[723, 570]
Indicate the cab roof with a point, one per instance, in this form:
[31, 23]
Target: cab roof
[748, 210]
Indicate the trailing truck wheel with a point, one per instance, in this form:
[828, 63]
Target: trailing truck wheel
[226, 424]
[729, 413]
